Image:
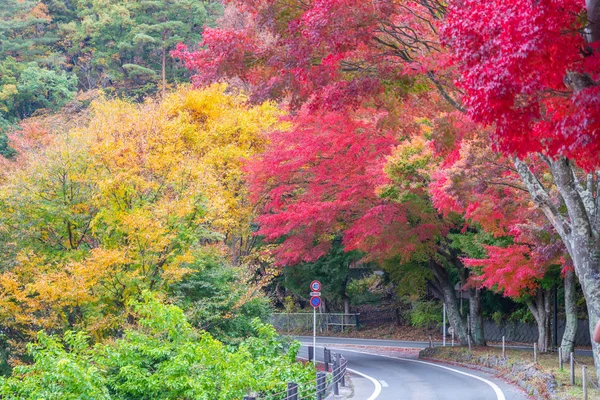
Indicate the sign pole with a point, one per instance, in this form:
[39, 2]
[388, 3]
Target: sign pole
[444, 325]
[314, 335]
[315, 301]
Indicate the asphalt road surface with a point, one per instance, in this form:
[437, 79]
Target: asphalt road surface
[409, 379]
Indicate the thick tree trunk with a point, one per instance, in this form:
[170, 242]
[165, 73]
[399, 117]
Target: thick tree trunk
[578, 229]
[540, 308]
[446, 292]
[568, 340]
[582, 239]
[477, 334]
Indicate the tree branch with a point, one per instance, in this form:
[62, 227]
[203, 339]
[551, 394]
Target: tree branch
[444, 93]
[564, 179]
[542, 199]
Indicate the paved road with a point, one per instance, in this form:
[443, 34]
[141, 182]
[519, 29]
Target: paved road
[407, 379]
[405, 343]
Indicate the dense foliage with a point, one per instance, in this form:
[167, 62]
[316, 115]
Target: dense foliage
[161, 357]
[393, 65]
[139, 197]
[49, 49]
[441, 144]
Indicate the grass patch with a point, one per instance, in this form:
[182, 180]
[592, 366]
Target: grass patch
[519, 366]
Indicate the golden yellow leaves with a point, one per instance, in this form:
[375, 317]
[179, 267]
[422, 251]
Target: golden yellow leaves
[124, 203]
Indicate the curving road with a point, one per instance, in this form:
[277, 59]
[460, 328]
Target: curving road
[390, 378]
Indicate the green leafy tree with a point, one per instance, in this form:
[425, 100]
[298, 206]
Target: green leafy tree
[161, 357]
[62, 369]
[220, 298]
[336, 270]
[130, 42]
[24, 31]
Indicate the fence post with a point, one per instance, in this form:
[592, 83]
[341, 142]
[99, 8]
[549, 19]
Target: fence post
[326, 358]
[336, 372]
[584, 382]
[320, 385]
[292, 391]
[469, 340]
[560, 361]
[356, 320]
[311, 353]
[534, 352]
[572, 369]
[503, 348]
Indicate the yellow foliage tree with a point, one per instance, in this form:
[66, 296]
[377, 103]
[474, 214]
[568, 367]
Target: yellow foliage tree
[124, 204]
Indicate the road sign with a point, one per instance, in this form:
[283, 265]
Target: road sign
[313, 294]
[315, 301]
[315, 286]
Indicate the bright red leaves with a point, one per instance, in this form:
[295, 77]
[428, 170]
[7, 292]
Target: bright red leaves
[515, 59]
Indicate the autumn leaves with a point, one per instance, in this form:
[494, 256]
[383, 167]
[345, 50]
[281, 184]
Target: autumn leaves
[122, 203]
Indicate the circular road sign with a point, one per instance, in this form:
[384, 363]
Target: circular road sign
[315, 301]
[315, 286]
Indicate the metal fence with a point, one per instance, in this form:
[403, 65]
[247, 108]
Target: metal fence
[326, 322]
[337, 322]
[528, 333]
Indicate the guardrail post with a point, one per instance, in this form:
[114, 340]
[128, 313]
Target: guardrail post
[311, 353]
[336, 374]
[326, 358]
[292, 391]
[343, 363]
[321, 381]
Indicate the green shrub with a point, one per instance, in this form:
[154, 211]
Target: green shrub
[162, 357]
[426, 314]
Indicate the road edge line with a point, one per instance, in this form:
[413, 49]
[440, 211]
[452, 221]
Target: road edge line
[374, 381]
[495, 388]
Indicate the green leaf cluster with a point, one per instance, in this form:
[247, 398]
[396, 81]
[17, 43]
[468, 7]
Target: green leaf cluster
[161, 357]
[216, 298]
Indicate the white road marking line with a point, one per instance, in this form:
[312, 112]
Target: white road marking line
[375, 382]
[383, 383]
[497, 390]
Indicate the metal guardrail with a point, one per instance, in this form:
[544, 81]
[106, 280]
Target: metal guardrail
[323, 385]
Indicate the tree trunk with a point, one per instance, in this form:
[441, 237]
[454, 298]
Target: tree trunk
[164, 70]
[540, 308]
[446, 293]
[346, 305]
[568, 340]
[582, 240]
[475, 309]
[578, 229]
[477, 334]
